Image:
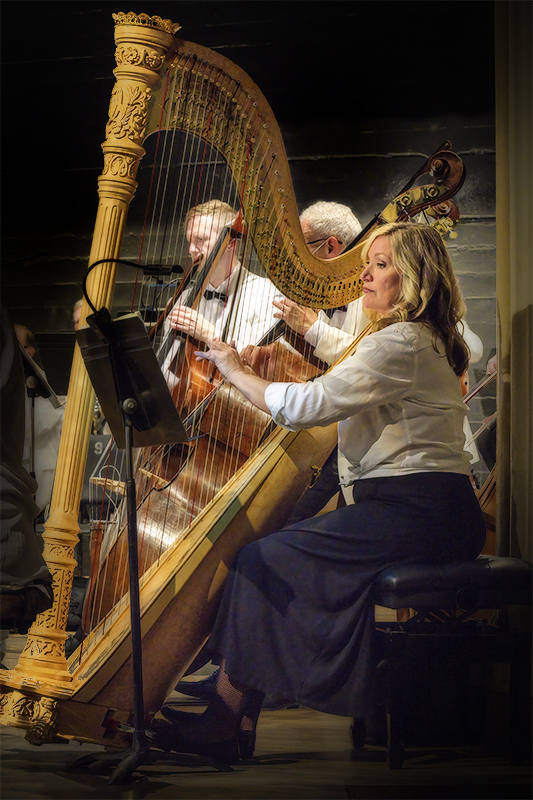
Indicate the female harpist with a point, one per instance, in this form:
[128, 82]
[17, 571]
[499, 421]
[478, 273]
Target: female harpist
[295, 617]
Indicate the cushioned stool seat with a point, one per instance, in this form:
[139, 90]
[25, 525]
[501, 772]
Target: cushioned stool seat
[488, 582]
[443, 599]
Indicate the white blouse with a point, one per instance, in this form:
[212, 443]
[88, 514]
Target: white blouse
[331, 337]
[397, 401]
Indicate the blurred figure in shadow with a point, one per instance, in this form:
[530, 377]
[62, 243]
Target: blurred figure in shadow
[25, 580]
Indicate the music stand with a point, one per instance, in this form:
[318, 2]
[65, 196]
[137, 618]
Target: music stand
[139, 409]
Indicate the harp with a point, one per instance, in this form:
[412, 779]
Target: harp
[185, 94]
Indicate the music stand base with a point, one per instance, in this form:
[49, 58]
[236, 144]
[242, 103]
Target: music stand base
[127, 761]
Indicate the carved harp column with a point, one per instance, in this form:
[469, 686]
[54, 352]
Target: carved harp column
[142, 43]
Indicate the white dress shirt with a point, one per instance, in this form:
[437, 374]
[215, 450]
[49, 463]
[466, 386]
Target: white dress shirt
[331, 337]
[397, 401]
[244, 316]
[48, 424]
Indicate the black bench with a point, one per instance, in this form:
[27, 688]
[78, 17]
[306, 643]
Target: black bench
[445, 629]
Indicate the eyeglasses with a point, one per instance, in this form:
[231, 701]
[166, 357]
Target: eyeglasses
[315, 241]
[322, 241]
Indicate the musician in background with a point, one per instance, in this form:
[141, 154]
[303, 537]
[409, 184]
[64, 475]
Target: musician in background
[76, 314]
[48, 423]
[329, 228]
[296, 614]
[236, 304]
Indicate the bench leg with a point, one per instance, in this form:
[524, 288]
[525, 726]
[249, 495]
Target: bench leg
[358, 733]
[395, 705]
[519, 700]
[395, 748]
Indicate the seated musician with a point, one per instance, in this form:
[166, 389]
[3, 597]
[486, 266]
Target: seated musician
[328, 228]
[295, 615]
[236, 304]
[331, 332]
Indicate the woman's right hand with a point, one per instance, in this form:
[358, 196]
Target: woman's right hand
[225, 357]
[228, 362]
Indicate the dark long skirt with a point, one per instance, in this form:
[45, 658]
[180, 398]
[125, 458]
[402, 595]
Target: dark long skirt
[295, 619]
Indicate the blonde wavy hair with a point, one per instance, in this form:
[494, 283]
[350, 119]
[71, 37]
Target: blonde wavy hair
[429, 292]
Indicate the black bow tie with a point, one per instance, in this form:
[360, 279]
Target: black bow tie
[330, 311]
[209, 294]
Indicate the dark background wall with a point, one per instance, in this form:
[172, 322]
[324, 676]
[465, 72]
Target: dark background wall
[363, 91]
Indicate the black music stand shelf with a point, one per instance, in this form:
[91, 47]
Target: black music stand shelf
[139, 409]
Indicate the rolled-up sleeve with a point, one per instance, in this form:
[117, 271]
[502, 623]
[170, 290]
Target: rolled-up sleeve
[381, 372]
[275, 399]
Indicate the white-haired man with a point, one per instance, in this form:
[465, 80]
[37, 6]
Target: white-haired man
[329, 228]
[236, 305]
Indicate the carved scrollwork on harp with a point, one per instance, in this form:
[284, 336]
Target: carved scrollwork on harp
[128, 112]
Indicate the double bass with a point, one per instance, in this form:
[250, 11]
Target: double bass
[215, 136]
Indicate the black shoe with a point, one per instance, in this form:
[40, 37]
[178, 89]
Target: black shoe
[169, 737]
[245, 738]
[204, 689]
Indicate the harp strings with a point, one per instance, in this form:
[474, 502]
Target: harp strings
[205, 109]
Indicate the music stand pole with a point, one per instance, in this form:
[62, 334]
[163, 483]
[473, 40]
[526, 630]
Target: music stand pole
[140, 743]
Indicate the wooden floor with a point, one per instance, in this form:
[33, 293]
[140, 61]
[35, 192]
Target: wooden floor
[300, 754]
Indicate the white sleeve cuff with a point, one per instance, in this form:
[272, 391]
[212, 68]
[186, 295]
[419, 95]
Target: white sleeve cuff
[275, 399]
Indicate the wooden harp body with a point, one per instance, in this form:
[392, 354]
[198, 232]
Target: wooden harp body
[195, 100]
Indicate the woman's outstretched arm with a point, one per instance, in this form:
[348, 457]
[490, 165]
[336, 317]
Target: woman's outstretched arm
[227, 361]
